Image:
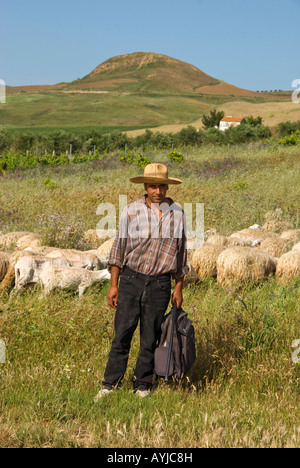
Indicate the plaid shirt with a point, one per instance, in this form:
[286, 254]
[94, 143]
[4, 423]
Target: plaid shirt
[149, 245]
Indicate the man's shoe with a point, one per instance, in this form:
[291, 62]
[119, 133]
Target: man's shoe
[143, 393]
[101, 394]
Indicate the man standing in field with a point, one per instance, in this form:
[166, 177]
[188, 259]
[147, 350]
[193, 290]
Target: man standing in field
[149, 248]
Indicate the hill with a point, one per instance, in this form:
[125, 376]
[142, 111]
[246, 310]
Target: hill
[144, 72]
[137, 90]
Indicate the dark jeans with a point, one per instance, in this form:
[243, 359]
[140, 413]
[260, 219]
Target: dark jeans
[145, 299]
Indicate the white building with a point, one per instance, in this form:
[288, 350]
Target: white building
[230, 121]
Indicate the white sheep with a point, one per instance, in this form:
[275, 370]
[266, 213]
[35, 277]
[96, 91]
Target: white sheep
[288, 266]
[244, 264]
[276, 246]
[204, 260]
[292, 235]
[29, 267]
[253, 234]
[76, 279]
[79, 259]
[9, 240]
[4, 264]
[104, 250]
[29, 240]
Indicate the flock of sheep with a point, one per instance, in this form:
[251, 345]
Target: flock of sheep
[24, 262]
[252, 254]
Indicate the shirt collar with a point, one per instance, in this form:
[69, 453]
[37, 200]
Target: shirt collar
[143, 199]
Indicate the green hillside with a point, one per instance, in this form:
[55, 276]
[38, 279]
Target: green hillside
[134, 90]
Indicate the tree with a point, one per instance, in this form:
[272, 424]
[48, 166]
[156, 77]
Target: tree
[212, 119]
[254, 121]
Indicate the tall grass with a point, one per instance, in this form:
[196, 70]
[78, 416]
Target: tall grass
[243, 390]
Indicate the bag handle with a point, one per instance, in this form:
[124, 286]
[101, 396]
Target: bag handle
[175, 312]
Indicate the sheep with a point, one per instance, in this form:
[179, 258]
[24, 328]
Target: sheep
[292, 235]
[4, 265]
[236, 241]
[276, 246]
[244, 264]
[204, 260]
[30, 240]
[288, 266]
[104, 250]
[226, 241]
[79, 259]
[296, 247]
[28, 268]
[274, 221]
[76, 279]
[8, 241]
[191, 277]
[275, 225]
[253, 235]
[91, 238]
[42, 249]
[9, 279]
[217, 239]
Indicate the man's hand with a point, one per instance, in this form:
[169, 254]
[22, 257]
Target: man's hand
[112, 296]
[113, 293]
[177, 294]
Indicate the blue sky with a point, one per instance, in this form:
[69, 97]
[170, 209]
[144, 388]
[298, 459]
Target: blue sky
[251, 44]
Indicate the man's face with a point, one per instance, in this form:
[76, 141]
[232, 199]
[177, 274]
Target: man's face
[156, 193]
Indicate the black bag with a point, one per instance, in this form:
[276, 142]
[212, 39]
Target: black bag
[176, 352]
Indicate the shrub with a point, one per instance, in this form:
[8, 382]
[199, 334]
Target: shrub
[176, 156]
[161, 140]
[262, 132]
[189, 136]
[293, 139]
[49, 183]
[241, 134]
[287, 128]
[253, 121]
[246, 133]
[214, 136]
[141, 161]
[23, 141]
[5, 140]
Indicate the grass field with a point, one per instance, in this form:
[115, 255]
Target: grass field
[136, 110]
[243, 390]
[112, 109]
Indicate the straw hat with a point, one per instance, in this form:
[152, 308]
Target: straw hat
[155, 173]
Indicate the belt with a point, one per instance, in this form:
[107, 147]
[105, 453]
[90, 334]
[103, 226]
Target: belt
[137, 274]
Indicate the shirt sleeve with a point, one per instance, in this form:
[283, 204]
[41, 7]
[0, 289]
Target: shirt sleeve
[117, 252]
[182, 267]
